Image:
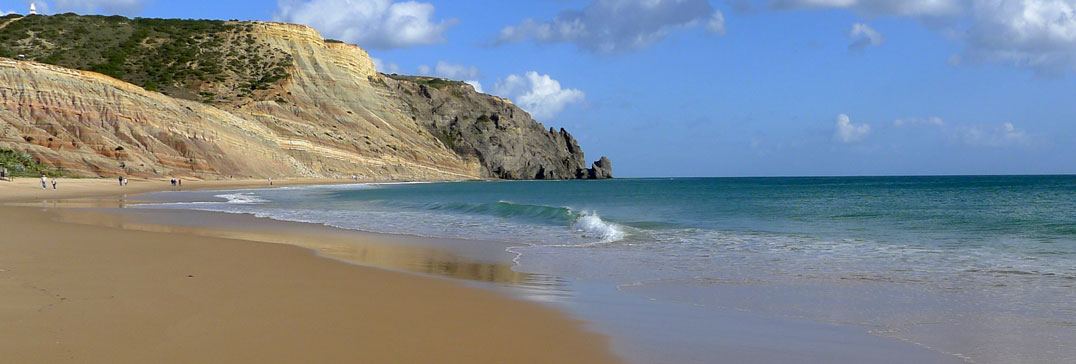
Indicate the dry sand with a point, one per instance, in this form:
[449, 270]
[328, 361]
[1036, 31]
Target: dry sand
[26, 189]
[100, 294]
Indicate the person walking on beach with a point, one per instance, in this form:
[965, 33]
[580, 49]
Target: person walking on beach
[121, 181]
[173, 182]
[125, 181]
[44, 182]
[54, 183]
[270, 181]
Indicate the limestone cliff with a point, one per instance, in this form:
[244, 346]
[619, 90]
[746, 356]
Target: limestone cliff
[331, 115]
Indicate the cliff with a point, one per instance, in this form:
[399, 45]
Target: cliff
[504, 139]
[254, 99]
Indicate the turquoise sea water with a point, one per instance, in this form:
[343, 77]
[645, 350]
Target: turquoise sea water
[979, 267]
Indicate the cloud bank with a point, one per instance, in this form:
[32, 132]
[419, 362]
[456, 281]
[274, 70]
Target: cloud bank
[376, 24]
[999, 136]
[877, 7]
[615, 26]
[980, 135]
[107, 7]
[1036, 34]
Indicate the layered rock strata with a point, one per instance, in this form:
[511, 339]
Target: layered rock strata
[333, 116]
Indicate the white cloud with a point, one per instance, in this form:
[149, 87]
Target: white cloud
[379, 24]
[477, 85]
[614, 26]
[862, 36]
[877, 7]
[540, 95]
[846, 132]
[1038, 34]
[124, 7]
[424, 70]
[383, 67]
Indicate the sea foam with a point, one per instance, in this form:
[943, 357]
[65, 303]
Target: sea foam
[242, 198]
[592, 225]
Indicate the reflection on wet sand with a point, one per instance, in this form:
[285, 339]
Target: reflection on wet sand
[384, 251]
[97, 203]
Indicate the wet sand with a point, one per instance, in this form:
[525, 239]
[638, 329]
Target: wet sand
[82, 286]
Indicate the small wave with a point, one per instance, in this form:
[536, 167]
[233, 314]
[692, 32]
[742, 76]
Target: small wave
[507, 209]
[353, 186]
[242, 198]
[591, 225]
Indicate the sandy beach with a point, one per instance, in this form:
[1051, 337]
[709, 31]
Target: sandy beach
[96, 292]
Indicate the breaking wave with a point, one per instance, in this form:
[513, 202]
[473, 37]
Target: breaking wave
[587, 223]
[242, 198]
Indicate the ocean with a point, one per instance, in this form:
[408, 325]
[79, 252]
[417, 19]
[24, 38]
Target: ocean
[978, 268]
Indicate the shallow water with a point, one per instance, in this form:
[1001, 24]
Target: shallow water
[981, 268]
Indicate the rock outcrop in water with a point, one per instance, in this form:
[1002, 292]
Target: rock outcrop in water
[602, 169]
[331, 115]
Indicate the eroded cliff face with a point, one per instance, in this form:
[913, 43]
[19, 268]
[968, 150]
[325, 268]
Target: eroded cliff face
[86, 124]
[334, 116]
[507, 142]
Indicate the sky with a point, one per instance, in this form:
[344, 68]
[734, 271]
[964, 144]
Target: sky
[731, 88]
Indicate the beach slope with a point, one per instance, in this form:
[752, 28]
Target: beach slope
[79, 293]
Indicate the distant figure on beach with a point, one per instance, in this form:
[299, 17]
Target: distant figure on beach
[121, 180]
[44, 182]
[180, 181]
[125, 181]
[270, 181]
[173, 182]
[54, 183]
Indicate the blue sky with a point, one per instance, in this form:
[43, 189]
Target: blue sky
[733, 88]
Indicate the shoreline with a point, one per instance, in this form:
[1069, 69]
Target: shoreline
[79, 292]
[630, 321]
[28, 189]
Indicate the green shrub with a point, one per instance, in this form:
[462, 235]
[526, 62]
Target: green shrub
[21, 164]
[161, 54]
